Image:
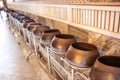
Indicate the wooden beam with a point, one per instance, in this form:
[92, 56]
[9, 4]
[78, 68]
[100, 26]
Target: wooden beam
[4, 3]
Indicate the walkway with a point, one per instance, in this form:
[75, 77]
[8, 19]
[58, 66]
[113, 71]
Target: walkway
[13, 65]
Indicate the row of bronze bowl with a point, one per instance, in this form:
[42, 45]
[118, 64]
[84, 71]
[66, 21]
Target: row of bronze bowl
[83, 55]
[79, 54]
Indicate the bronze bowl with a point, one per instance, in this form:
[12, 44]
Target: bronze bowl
[15, 14]
[82, 54]
[18, 17]
[11, 12]
[27, 23]
[61, 42]
[106, 68]
[38, 30]
[32, 26]
[35, 23]
[22, 18]
[48, 35]
[26, 19]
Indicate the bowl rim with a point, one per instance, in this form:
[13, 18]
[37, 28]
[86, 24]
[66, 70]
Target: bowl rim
[105, 67]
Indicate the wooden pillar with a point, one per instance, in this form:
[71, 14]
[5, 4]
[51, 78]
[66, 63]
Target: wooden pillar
[4, 3]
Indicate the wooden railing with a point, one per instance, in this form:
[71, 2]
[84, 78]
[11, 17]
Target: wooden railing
[68, 2]
[100, 19]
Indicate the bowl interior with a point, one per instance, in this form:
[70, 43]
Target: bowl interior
[65, 36]
[110, 60]
[35, 24]
[84, 46]
[51, 31]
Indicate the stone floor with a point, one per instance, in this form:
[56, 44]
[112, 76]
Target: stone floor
[13, 65]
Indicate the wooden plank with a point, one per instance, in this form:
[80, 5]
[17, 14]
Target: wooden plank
[60, 9]
[112, 16]
[116, 26]
[92, 18]
[103, 20]
[50, 12]
[54, 11]
[119, 25]
[87, 18]
[73, 15]
[107, 24]
[69, 14]
[57, 10]
[78, 16]
[96, 18]
[65, 13]
[81, 16]
[99, 19]
[61, 13]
